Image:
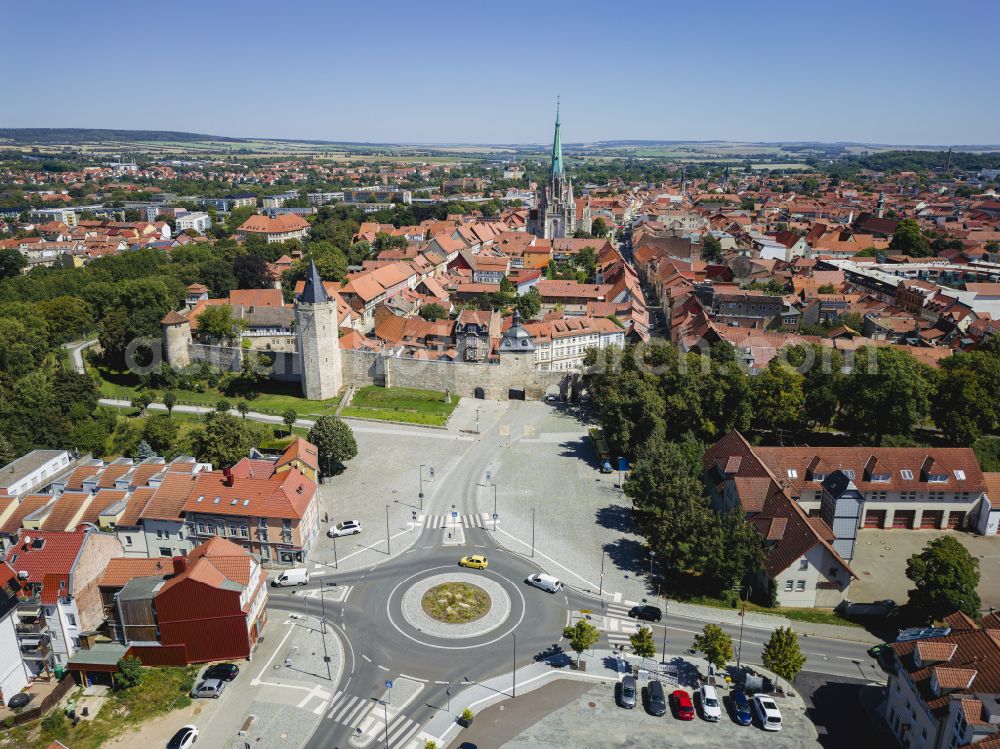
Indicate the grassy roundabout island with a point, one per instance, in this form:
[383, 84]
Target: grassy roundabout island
[456, 603]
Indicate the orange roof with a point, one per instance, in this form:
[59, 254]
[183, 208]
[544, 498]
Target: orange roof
[122, 569]
[301, 450]
[283, 224]
[283, 495]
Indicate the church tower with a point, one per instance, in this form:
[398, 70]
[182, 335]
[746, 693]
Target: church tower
[316, 332]
[554, 215]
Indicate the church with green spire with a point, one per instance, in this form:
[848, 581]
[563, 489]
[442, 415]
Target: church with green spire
[554, 213]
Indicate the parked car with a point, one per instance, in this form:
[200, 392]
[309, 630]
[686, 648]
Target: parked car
[656, 701]
[711, 708]
[767, 712]
[184, 738]
[344, 528]
[741, 707]
[222, 672]
[294, 576]
[681, 703]
[209, 688]
[626, 692]
[648, 613]
[545, 582]
[19, 700]
[476, 562]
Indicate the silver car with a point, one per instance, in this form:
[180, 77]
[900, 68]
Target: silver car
[209, 688]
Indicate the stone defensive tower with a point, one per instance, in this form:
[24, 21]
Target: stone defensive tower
[316, 332]
[177, 339]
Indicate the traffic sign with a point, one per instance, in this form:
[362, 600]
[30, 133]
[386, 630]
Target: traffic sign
[489, 477]
[432, 471]
[388, 684]
[454, 514]
[495, 516]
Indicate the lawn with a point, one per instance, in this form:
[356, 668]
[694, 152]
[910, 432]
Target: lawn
[401, 404]
[813, 616]
[280, 398]
[161, 690]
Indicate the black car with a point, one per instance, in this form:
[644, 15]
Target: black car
[222, 672]
[648, 613]
[656, 703]
[19, 700]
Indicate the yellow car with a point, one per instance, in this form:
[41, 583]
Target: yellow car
[476, 561]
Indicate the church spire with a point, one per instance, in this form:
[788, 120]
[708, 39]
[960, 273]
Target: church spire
[557, 160]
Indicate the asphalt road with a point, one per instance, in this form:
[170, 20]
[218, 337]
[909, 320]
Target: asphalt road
[381, 645]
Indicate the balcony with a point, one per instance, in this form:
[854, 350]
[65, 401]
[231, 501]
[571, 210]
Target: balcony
[37, 627]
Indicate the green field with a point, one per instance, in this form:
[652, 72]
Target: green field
[401, 404]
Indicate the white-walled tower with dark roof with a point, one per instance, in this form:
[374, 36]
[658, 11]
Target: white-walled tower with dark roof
[317, 336]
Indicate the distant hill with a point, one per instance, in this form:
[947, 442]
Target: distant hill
[44, 136]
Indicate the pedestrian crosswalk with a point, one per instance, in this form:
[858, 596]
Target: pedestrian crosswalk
[468, 520]
[347, 709]
[350, 710]
[618, 626]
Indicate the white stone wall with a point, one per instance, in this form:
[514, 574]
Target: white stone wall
[13, 672]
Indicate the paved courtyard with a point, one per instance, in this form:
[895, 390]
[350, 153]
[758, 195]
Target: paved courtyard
[880, 561]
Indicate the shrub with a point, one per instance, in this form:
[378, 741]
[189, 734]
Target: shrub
[467, 715]
[129, 672]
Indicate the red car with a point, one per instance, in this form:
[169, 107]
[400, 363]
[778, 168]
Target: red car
[683, 709]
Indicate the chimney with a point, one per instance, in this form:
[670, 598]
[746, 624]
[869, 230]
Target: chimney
[180, 565]
[228, 476]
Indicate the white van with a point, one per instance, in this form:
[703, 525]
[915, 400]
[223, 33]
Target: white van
[545, 582]
[295, 576]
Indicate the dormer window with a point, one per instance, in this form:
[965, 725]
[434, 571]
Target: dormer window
[937, 478]
[960, 475]
[820, 477]
[880, 477]
[849, 473]
[906, 474]
[792, 473]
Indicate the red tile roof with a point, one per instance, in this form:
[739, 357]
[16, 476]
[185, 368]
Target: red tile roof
[56, 556]
[122, 569]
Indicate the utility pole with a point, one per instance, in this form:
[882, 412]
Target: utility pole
[604, 553]
[532, 532]
[322, 628]
[652, 556]
[420, 495]
[513, 673]
[388, 547]
[494, 508]
[336, 566]
[743, 616]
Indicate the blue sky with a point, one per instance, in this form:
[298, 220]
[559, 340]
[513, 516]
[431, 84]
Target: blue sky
[913, 72]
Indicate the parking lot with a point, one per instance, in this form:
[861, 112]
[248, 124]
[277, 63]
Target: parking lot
[594, 721]
[880, 561]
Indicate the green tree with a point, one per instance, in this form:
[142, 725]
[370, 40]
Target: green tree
[908, 239]
[223, 440]
[223, 406]
[715, 645]
[289, 417]
[253, 272]
[782, 654]
[141, 400]
[67, 317]
[582, 636]
[886, 393]
[711, 248]
[130, 672]
[964, 405]
[243, 407]
[432, 311]
[822, 370]
[160, 433]
[945, 576]
[90, 436]
[7, 453]
[778, 398]
[642, 642]
[598, 227]
[143, 451]
[529, 304]
[216, 321]
[335, 442]
[75, 393]
[169, 401]
[12, 262]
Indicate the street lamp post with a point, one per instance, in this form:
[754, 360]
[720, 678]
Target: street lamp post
[388, 546]
[743, 616]
[494, 507]
[477, 421]
[420, 495]
[322, 628]
[604, 553]
[513, 673]
[385, 712]
[652, 556]
[336, 566]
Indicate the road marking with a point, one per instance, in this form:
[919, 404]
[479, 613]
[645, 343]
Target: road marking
[545, 556]
[412, 678]
[318, 710]
[383, 667]
[848, 658]
[255, 681]
[366, 657]
[442, 682]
